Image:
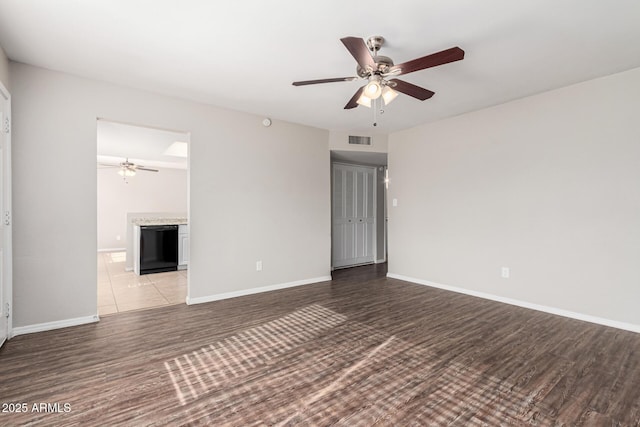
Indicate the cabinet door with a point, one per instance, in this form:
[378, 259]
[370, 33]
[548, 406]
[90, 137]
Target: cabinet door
[183, 241]
[343, 231]
[365, 216]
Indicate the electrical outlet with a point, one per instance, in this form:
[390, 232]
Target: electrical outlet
[505, 272]
[258, 265]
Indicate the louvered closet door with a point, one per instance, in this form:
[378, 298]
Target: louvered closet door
[353, 236]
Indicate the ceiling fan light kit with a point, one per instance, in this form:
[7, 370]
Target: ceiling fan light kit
[127, 172]
[388, 95]
[364, 100]
[373, 89]
[376, 68]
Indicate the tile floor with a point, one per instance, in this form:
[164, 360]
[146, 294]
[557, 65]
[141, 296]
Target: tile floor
[120, 290]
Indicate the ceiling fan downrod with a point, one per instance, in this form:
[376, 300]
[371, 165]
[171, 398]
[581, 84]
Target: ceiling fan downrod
[374, 43]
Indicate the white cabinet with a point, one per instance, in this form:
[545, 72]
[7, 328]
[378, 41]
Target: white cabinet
[183, 247]
[136, 249]
[353, 219]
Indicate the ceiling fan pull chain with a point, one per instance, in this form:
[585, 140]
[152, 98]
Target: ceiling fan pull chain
[375, 110]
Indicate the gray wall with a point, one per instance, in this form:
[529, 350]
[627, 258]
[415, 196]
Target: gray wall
[548, 186]
[256, 193]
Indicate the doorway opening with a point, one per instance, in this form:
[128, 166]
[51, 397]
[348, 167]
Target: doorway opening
[142, 183]
[358, 208]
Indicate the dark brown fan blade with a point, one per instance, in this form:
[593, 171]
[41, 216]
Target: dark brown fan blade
[353, 102]
[411, 89]
[433, 60]
[313, 82]
[142, 168]
[359, 50]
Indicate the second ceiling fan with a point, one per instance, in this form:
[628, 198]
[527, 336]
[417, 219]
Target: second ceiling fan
[377, 68]
[128, 168]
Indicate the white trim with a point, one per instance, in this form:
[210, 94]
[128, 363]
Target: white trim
[380, 261]
[385, 212]
[552, 310]
[7, 244]
[374, 249]
[234, 294]
[112, 250]
[48, 326]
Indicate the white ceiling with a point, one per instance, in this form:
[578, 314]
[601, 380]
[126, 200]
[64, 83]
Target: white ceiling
[244, 55]
[141, 145]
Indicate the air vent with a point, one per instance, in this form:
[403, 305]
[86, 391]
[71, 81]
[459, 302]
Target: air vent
[360, 140]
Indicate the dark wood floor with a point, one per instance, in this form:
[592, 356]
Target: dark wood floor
[361, 350]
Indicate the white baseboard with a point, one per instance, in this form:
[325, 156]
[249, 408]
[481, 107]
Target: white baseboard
[234, 294]
[48, 326]
[380, 261]
[128, 269]
[112, 250]
[552, 310]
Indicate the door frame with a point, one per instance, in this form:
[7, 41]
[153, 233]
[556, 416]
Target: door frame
[7, 249]
[188, 190]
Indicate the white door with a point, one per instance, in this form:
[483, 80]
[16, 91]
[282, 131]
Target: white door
[5, 211]
[353, 220]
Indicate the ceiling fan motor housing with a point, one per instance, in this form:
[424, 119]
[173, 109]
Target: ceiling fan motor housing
[383, 63]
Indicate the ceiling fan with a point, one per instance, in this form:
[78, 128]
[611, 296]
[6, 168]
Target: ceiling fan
[378, 68]
[128, 168]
